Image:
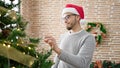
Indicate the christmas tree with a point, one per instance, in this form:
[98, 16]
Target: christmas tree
[17, 50]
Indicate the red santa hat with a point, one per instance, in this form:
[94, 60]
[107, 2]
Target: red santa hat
[75, 9]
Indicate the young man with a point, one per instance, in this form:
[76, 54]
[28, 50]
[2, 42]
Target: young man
[77, 46]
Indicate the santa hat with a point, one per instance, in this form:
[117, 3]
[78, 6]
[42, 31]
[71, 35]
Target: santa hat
[75, 9]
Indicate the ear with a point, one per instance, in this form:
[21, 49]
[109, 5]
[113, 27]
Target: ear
[78, 17]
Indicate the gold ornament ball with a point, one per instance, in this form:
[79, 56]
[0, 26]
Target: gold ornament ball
[4, 45]
[18, 29]
[29, 48]
[13, 67]
[9, 46]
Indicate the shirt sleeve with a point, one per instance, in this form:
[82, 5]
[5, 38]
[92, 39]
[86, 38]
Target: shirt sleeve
[84, 56]
[56, 61]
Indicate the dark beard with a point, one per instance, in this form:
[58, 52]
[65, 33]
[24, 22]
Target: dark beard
[72, 25]
[69, 28]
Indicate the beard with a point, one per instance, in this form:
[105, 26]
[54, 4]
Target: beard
[69, 28]
[71, 25]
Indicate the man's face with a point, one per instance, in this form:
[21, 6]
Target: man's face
[70, 20]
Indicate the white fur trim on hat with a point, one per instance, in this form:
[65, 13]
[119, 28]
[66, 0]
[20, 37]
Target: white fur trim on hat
[83, 23]
[71, 10]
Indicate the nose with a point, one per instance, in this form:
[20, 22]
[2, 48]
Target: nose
[65, 21]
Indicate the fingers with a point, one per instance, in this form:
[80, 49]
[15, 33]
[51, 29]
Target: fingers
[49, 39]
[46, 39]
[50, 42]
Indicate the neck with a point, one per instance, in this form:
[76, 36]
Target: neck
[77, 28]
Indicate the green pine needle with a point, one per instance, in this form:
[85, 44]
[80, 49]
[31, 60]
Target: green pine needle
[102, 28]
[34, 40]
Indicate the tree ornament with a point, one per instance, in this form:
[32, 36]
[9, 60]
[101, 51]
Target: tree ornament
[11, 40]
[18, 29]
[4, 44]
[12, 15]
[13, 67]
[8, 46]
[7, 26]
[14, 18]
[29, 48]
[5, 33]
[17, 37]
[13, 25]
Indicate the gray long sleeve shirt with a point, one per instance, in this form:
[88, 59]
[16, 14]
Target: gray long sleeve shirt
[76, 50]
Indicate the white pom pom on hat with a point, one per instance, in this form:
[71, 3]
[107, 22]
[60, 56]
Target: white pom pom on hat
[75, 9]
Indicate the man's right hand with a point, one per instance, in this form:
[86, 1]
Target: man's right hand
[52, 42]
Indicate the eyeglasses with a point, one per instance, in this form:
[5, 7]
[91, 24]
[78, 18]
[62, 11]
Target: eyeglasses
[68, 16]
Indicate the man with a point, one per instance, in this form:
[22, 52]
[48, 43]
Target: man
[77, 46]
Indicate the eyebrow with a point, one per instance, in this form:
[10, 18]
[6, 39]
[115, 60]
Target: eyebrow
[68, 15]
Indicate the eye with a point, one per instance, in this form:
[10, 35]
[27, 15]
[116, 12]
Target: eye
[67, 17]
